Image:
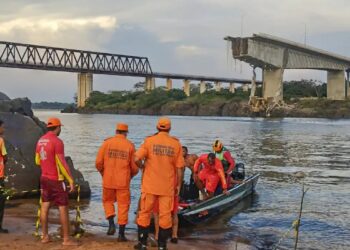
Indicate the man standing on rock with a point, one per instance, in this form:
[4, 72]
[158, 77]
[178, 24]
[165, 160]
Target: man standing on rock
[115, 162]
[163, 162]
[54, 170]
[3, 159]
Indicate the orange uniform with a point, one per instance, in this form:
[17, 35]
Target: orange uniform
[163, 156]
[115, 162]
[3, 153]
[210, 174]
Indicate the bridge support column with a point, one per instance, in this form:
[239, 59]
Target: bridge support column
[336, 85]
[169, 84]
[245, 87]
[232, 87]
[202, 87]
[85, 86]
[187, 87]
[217, 86]
[150, 84]
[272, 84]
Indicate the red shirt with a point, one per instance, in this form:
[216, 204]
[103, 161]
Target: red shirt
[50, 156]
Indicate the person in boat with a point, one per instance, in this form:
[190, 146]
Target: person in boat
[208, 177]
[190, 159]
[228, 162]
[162, 156]
[115, 162]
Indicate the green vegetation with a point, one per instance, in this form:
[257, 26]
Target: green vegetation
[304, 88]
[50, 105]
[307, 97]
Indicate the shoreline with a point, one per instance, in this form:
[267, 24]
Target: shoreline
[20, 217]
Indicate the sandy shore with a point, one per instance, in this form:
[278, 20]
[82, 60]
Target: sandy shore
[20, 221]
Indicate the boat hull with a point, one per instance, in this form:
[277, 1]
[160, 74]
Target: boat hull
[205, 210]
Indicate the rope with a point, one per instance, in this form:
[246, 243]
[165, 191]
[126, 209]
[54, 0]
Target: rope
[37, 223]
[78, 230]
[294, 225]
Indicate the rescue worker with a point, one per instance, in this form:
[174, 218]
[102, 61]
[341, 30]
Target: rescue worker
[224, 155]
[54, 170]
[3, 160]
[162, 155]
[115, 162]
[209, 176]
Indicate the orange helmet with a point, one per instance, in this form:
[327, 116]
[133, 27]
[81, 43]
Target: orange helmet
[53, 122]
[164, 123]
[217, 146]
[122, 127]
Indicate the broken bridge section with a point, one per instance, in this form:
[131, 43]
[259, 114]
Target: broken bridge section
[273, 55]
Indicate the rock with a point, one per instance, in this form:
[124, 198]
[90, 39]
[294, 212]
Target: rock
[22, 131]
[19, 105]
[4, 97]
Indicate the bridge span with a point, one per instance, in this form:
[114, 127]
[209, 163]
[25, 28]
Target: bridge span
[87, 63]
[273, 55]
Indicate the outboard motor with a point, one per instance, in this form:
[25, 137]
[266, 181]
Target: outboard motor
[239, 172]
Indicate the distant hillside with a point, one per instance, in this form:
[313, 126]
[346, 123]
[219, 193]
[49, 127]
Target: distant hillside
[50, 105]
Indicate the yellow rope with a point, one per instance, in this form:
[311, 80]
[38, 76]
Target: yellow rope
[37, 223]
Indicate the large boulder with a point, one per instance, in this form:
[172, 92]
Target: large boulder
[22, 131]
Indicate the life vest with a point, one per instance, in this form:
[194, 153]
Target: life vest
[220, 156]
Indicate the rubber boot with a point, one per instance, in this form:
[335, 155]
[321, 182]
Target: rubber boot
[111, 228]
[142, 236]
[121, 234]
[2, 207]
[163, 236]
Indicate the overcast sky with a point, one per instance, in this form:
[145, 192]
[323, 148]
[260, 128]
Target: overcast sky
[182, 36]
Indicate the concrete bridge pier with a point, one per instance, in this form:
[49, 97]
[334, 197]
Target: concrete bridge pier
[336, 86]
[273, 84]
[217, 86]
[232, 87]
[245, 87]
[150, 83]
[169, 84]
[202, 87]
[187, 87]
[85, 87]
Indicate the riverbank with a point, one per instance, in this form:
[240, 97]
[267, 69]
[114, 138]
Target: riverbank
[20, 217]
[307, 108]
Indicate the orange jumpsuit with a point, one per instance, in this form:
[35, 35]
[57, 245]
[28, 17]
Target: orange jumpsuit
[210, 175]
[163, 156]
[115, 162]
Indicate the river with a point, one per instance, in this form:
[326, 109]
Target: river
[275, 148]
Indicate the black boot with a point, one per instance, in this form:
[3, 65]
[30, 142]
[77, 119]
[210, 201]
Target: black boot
[111, 228]
[163, 236]
[121, 234]
[142, 235]
[2, 208]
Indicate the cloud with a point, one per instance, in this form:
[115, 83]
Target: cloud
[57, 25]
[189, 50]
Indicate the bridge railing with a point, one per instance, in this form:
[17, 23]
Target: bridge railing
[19, 55]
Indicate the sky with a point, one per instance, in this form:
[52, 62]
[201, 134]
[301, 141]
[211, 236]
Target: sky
[182, 36]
